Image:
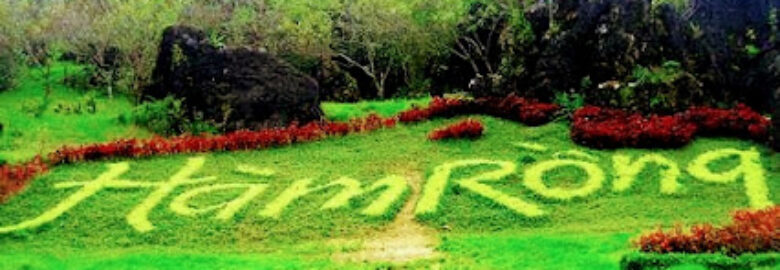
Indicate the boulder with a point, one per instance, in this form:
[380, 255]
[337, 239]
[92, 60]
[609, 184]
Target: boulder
[233, 88]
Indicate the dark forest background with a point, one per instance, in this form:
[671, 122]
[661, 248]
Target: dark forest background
[649, 56]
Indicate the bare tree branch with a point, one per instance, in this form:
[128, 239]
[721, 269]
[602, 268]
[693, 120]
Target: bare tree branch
[467, 56]
[354, 63]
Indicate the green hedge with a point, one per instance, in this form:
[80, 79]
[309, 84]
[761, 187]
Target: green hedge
[642, 261]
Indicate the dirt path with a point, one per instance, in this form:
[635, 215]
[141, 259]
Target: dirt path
[403, 240]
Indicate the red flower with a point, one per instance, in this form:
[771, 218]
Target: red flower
[464, 129]
[511, 107]
[750, 232]
[609, 128]
[414, 115]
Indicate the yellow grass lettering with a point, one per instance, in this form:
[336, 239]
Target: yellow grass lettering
[181, 204]
[437, 183]
[139, 217]
[88, 189]
[394, 187]
[627, 172]
[749, 169]
[533, 179]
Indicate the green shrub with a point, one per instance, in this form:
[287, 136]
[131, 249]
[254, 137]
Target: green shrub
[665, 88]
[667, 74]
[9, 67]
[570, 102]
[165, 117]
[640, 261]
[679, 4]
[87, 104]
[34, 107]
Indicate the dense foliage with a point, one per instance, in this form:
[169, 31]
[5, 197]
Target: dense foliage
[641, 260]
[165, 117]
[469, 129]
[529, 112]
[653, 57]
[9, 51]
[612, 128]
[14, 177]
[750, 232]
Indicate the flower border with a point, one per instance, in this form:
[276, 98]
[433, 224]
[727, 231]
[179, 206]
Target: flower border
[591, 126]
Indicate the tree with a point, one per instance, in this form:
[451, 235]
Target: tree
[380, 41]
[490, 41]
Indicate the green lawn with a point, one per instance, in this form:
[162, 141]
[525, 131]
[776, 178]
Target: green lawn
[33, 127]
[468, 230]
[347, 111]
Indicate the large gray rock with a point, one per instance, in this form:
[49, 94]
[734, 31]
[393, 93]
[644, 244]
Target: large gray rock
[235, 88]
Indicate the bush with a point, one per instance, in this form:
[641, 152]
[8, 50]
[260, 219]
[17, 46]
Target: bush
[570, 102]
[470, 129]
[165, 117]
[642, 261]
[526, 111]
[659, 89]
[740, 122]
[750, 232]
[612, 128]
[14, 177]
[87, 104]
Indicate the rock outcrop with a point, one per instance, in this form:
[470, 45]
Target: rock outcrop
[234, 88]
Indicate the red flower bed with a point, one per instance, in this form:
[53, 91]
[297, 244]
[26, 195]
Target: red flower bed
[611, 128]
[470, 129]
[750, 232]
[526, 111]
[14, 177]
[512, 107]
[439, 107]
[234, 141]
[741, 122]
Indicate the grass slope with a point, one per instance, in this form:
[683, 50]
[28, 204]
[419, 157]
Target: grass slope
[26, 135]
[585, 233]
